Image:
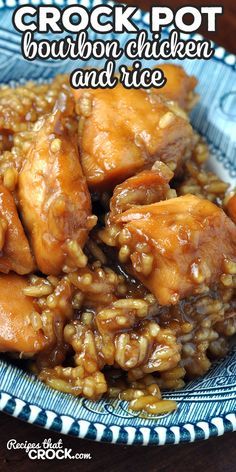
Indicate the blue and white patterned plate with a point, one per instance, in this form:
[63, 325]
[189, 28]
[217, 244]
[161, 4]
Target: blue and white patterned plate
[206, 406]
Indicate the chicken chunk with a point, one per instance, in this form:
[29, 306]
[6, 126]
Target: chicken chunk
[179, 86]
[16, 332]
[122, 132]
[53, 196]
[174, 245]
[15, 253]
[148, 186]
[231, 207]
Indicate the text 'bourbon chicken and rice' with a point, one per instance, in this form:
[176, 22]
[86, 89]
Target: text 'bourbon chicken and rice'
[149, 288]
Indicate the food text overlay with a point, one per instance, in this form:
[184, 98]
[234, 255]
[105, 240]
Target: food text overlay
[76, 23]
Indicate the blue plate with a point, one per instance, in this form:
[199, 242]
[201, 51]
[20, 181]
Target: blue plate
[206, 406]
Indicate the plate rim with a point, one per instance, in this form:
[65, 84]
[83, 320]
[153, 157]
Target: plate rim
[144, 435]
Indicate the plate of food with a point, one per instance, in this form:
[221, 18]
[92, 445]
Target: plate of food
[117, 320]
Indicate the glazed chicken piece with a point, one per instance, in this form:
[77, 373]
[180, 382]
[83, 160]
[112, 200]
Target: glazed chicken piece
[15, 253]
[179, 86]
[231, 207]
[122, 132]
[53, 195]
[16, 331]
[148, 186]
[173, 245]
